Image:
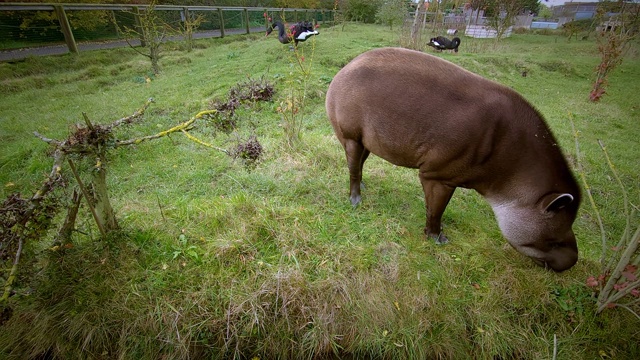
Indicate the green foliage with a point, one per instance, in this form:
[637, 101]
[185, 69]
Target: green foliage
[494, 7]
[152, 30]
[392, 12]
[215, 261]
[573, 28]
[501, 14]
[545, 12]
[359, 10]
[615, 37]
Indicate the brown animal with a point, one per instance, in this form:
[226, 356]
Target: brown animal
[459, 130]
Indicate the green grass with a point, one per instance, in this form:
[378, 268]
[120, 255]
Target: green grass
[218, 261]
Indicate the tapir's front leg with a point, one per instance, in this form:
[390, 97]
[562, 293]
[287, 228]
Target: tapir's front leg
[436, 196]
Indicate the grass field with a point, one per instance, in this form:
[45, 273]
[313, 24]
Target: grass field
[218, 260]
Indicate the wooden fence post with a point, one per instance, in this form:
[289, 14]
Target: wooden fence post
[221, 22]
[266, 19]
[246, 18]
[139, 28]
[115, 23]
[66, 29]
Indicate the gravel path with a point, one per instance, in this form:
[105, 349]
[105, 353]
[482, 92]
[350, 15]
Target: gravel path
[19, 54]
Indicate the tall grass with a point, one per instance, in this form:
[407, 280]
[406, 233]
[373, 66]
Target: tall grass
[218, 261]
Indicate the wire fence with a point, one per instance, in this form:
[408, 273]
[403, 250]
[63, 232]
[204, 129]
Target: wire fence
[34, 25]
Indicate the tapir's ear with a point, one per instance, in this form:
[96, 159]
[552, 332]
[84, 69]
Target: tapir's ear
[557, 202]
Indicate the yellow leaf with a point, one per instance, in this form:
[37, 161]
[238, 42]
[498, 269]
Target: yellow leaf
[397, 305]
[385, 333]
[603, 353]
[9, 184]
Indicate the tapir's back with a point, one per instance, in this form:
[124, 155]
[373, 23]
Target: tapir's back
[411, 108]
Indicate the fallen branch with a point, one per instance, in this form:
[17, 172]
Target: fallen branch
[185, 126]
[131, 118]
[195, 139]
[19, 228]
[90, 142]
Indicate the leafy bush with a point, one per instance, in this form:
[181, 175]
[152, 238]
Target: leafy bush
[359, 10]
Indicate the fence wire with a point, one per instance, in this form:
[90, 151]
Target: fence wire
[24, 28]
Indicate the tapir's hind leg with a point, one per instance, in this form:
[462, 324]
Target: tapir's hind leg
[356, 156]
[436, 196]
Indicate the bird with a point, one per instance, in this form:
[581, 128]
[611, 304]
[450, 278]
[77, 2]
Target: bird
[442, 43]
[300, 31]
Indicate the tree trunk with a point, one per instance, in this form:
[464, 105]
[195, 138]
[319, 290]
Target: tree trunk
[415, 29]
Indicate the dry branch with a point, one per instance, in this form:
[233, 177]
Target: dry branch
[183, 127]
[131, 118]
[18, 229]
[88, 142]
[618, 277]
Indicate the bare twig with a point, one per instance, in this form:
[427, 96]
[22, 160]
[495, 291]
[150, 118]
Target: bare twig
[47, 140]
[179, 127]
[629, 309]
[129, 119]
[88, 122]
[587, 188]
[160, 207]
[88, 198]
[195, 139]
[625, 198]
[14, 271]
[614, 268]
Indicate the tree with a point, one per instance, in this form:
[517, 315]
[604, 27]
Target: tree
[545, 12]
[359, 10]
[615, 36]
[391, 12]
[501, 14]
[151, 30]
[47, 21]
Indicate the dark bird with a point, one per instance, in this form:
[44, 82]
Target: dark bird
[442, 43]
[300, 31]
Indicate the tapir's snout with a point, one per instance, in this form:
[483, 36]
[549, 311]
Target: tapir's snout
[562, 259]
[559, 258]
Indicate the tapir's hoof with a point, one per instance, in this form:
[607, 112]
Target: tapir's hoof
[438, 238]
[355, 200]
[441, 239]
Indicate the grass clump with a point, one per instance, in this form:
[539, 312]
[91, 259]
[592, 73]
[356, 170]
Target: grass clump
[215, 261]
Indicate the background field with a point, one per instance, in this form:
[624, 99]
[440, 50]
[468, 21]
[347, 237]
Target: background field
[216, 260]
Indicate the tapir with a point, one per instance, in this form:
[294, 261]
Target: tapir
[459, 130]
